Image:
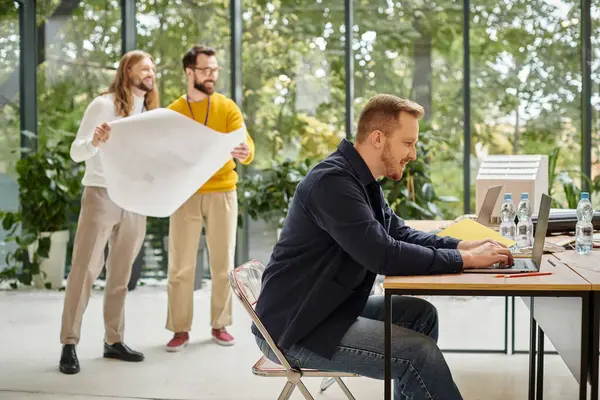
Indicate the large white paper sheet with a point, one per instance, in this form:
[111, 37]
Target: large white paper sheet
[154, 161]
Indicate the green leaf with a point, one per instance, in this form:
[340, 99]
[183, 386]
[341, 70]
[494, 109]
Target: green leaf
[428, 192]
[9, 220]
[434, 209]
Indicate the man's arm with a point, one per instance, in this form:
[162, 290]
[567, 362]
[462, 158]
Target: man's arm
[338, 205]
[400, 231]
[82, 148]
[235, 120]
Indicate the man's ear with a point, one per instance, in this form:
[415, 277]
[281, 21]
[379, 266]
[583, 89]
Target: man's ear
[376, 138]
[189, 72]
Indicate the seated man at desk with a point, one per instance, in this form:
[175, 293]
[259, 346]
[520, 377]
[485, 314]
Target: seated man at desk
[338, 235]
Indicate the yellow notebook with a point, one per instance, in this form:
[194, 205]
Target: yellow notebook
[467, 229]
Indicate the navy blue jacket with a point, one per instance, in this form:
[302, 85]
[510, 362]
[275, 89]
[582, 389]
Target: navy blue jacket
[338, 235]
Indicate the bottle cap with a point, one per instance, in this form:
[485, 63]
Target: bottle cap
[585, 195]
[507, 196]
[524, 196]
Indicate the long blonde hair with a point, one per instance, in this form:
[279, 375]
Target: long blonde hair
[121, 85]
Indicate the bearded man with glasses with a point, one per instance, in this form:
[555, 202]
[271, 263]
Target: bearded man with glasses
[215, 204]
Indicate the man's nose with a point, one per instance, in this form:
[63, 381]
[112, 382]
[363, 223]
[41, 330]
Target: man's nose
[413, 154]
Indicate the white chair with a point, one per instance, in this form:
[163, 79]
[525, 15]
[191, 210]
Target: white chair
[245, 281]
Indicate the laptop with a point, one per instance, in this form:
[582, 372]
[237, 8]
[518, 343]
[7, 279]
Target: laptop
[526, 264]
[485, 213]
[487, 207]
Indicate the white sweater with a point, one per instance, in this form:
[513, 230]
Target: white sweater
[100, 110]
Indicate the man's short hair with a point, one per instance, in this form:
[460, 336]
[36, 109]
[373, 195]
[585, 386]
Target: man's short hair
[382, 113]
[189, 59]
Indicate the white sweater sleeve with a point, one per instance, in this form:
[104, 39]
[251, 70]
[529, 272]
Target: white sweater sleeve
[96, 113]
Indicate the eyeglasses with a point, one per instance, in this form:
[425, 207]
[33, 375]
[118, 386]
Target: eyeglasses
[207, 70]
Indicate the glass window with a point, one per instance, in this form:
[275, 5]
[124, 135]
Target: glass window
[79, 50]
[526, 82]
[294, 99]
[166, 30]
[416, 52]
[80, 47]
[9, 113]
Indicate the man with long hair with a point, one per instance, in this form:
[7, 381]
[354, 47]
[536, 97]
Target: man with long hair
[214, 203]
[101, 221]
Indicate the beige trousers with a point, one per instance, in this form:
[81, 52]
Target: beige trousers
[220, 212]
[101, 221]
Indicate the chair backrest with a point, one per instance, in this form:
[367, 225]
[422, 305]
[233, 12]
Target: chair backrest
[377, 288]
[246, 281]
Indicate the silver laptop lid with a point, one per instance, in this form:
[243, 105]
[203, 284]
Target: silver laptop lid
[541, 228]
[487, 207]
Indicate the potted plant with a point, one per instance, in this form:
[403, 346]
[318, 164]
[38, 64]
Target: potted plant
[49, 182]
[269, 192]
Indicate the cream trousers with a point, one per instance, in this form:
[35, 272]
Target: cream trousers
[219, 211]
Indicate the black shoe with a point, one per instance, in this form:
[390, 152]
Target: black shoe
[120, 351]
[69, 364]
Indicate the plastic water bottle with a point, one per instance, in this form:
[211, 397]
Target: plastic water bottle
[584, 231]
[507, 215]
[524, 237]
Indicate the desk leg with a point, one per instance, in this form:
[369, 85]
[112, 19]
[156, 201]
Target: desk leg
[595, 304]
[532, 348]
[506, 324]
[540, 365]
[586, 346]
[512, 326]
[388, 346]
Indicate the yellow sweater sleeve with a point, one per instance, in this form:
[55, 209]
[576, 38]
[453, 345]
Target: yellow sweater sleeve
[235, 120]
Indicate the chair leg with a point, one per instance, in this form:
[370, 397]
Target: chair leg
[304, 391]
[344, 388]
[286, 393]
[326, 382]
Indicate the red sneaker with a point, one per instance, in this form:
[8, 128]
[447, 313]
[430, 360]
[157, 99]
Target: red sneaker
[222, 337]
[179, 341]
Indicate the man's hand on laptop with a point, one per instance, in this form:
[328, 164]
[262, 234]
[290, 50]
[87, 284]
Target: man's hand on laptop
[486, 255]
[472, 244]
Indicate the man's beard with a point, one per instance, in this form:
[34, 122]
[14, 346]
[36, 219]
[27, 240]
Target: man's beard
[143, 86]
[200, 86]
[392, 167]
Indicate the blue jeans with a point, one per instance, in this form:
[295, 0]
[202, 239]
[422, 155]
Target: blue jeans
[419, 369]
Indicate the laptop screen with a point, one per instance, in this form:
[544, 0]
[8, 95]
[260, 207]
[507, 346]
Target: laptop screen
[487, 207]
[541, 228]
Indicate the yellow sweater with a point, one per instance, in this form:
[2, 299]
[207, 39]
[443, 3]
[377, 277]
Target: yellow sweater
[223, 116]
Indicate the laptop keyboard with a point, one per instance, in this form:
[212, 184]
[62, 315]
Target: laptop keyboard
[523, 264]
[519, 264]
